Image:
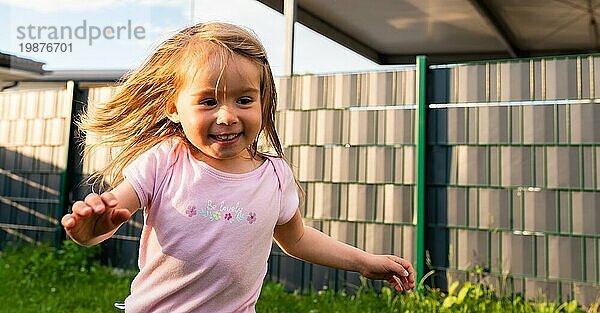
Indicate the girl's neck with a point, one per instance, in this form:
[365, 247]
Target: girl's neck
[242, 164]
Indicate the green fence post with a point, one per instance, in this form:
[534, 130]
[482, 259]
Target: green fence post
[66, 177]
[420, 181]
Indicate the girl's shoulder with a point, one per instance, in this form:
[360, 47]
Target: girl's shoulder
[273, 159]
[167, 146]
[165, 152]
[282, 167]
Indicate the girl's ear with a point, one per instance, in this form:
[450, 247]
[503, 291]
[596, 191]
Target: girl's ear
[172, 113]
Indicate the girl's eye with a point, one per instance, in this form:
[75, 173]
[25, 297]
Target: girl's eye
[245, 100]
[209, 102]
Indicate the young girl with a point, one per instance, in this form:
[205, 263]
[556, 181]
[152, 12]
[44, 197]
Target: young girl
[188, 123]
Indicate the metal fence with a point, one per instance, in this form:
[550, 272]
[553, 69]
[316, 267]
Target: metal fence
[34, 140]
[351, 140]
[513, 185]
[510, 182]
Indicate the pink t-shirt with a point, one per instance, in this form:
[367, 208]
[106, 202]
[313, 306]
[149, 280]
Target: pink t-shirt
[207, 234]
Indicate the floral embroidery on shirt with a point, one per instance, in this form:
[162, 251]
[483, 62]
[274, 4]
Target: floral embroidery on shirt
[251, 218]
[191, 211]
[222, 212]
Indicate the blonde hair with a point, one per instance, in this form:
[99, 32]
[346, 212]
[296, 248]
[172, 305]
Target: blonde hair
[135, 119]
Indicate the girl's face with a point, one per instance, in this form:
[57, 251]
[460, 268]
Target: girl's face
[220, 109]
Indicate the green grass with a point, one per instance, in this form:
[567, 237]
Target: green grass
[43, 279]
[470, 298]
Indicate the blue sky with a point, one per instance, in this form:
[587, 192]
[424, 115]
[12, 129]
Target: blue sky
[313, 52]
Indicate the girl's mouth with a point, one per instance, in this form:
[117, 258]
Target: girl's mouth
[225, 137]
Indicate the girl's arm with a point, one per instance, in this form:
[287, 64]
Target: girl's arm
[311, 245]
[98, 217]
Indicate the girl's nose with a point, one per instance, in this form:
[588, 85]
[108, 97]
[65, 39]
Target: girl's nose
[226, 116]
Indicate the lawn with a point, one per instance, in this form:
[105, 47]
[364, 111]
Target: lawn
[44, 279]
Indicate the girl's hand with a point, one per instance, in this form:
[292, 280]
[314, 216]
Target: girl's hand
[397, 271]
[94, 217]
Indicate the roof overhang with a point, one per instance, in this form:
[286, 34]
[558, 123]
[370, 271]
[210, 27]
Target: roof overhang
[14, 69]
[448, 31]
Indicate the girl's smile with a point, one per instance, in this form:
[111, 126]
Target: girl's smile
[225, 138]
[220, 110]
